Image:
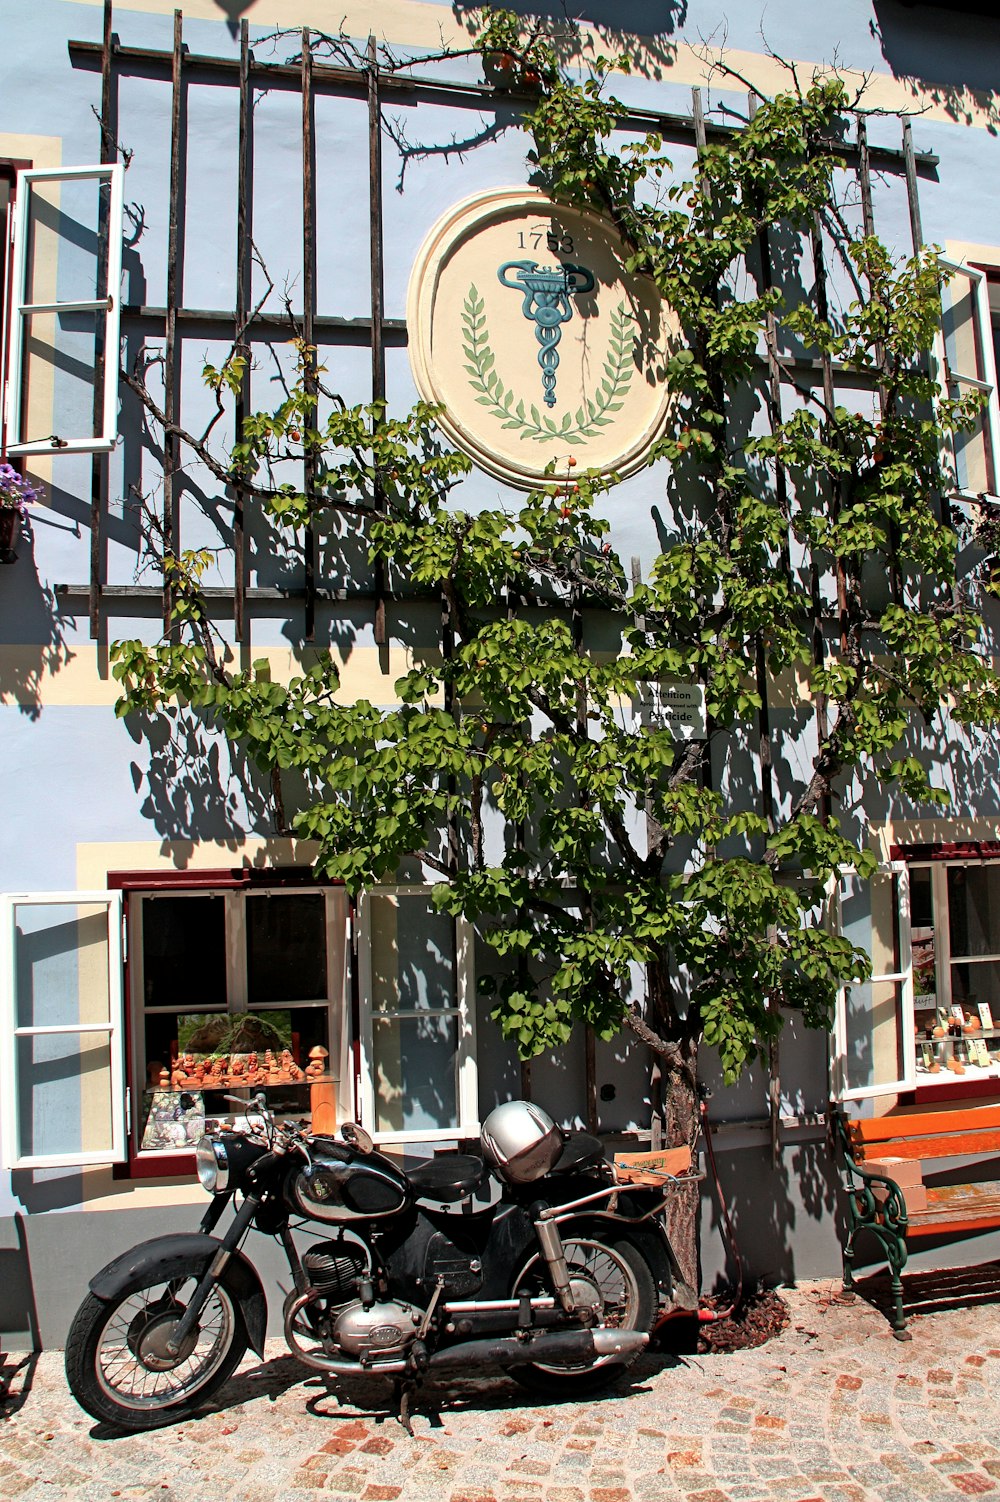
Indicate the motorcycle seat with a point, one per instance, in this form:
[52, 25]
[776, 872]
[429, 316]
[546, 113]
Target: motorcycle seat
[450, 1176]
[580, 1150]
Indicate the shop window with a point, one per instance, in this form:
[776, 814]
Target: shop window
[234, 991]
[130, 1017]
[64, 311]
[418, 1060]
[956, 948]
[971, 317]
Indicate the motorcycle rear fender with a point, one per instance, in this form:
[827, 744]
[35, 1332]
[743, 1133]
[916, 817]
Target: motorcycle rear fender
[188, 1252]
[648, 1237]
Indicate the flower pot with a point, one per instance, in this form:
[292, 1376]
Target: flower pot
[10, 531]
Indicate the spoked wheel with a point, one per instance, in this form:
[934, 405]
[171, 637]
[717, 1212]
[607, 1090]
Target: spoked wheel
[612, 1277]
[117, 1363]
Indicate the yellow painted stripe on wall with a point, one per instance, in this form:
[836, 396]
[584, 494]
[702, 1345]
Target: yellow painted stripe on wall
[411, 23]
[36, 677]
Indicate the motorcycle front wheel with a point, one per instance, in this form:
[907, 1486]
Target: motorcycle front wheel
[117, 1364]
[624, 1293]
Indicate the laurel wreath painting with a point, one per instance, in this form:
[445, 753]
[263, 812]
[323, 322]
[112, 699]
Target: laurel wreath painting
[589, 418]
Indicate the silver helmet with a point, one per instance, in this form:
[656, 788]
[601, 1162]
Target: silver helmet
[521, 1141]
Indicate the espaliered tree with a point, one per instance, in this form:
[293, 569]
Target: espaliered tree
[588, 843]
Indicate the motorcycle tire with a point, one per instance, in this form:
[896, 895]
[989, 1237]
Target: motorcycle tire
[116, 1365]
[628, 1294]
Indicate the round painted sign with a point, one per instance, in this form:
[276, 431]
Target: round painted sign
[526, 328]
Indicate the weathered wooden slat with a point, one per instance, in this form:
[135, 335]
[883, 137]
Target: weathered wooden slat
[242, 347]
[903, 1125]
[912, 194]
[377, 279]
[952, 1208]
[102, 371]
[308, 312]
[947, 1145]
[670, 124]
[171, 448]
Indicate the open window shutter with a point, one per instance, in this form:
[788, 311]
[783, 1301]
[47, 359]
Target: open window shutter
[419, 1079]
[7, 228]
[969, 365]
[62, 1056]
[64, 311]
[874, 1050]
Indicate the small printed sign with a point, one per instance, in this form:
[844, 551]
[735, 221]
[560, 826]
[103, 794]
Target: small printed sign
[679, 707]
[985, 1014]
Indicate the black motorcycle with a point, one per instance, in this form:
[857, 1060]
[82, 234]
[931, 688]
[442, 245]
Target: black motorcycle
[537, 1262]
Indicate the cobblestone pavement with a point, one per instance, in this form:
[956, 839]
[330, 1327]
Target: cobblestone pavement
[832, 1410]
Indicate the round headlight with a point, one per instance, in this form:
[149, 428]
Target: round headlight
[213, 1165]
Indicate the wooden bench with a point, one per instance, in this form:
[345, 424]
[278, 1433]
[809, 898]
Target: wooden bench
[877, 1202]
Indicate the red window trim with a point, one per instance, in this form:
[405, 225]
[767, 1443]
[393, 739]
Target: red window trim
[182, 1165]
[959, 850]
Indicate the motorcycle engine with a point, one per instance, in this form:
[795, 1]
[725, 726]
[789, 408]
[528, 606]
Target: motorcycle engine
[359, 1331]
[367, 1332]
[334, 1269]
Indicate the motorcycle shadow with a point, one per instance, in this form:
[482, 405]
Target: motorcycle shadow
[350, 1399]
[433, 1400]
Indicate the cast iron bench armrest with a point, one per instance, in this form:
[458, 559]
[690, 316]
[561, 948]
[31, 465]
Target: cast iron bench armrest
[885, 1218]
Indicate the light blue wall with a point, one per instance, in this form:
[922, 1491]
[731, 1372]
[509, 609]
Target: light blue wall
[76, 774]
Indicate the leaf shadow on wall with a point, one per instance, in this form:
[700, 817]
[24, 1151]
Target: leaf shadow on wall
[943, 57]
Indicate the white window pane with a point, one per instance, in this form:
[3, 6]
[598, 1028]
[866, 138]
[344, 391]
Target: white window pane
[874, 1053]
[973, 456]
[65, 1094]
[57, 374]
[974, 909]
[62, 262]
[286, 947]
[184, 952]
[413, 954]
[60, 964]
[972, 985]
[53, 406]
[960, 328]
[870, 919]
[968, 343]
[415, 1073]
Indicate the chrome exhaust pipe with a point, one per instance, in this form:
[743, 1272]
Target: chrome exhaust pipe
[563, 1347]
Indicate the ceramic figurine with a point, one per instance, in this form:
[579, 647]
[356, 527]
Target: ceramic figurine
[317, 1061]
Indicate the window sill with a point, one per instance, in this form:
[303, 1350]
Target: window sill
[157, 1166]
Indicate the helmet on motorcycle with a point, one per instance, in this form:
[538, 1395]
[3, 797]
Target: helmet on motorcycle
[521, 1141]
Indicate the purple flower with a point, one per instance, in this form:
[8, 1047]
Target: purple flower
[16, 492]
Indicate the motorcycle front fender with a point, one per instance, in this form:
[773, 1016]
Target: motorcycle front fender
[186, 1252]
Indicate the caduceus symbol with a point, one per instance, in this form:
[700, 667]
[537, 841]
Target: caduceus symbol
[547, 291]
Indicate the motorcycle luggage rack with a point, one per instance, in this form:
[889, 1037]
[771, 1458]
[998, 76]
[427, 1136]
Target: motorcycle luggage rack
[672, 1165]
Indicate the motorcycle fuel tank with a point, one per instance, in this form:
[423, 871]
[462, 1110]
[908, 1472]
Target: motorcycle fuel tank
[342, 1184]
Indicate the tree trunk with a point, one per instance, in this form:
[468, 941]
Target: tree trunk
[677, 1112]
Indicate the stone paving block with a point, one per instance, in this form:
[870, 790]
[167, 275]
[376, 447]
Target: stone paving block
[779, 1424]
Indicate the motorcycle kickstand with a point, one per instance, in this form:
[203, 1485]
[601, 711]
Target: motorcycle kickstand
[404, 1391]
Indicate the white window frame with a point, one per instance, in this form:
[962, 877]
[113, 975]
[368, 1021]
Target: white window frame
[20, 311]
[903, 977]
[984, 380]
[464, 1012]
[113, 1028]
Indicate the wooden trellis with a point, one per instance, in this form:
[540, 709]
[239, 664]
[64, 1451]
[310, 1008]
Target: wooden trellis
[175, 320]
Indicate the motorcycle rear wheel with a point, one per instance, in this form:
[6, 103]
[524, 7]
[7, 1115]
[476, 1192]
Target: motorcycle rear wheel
[628, 1302]
[116, 1364]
